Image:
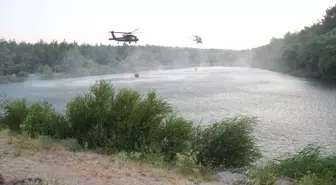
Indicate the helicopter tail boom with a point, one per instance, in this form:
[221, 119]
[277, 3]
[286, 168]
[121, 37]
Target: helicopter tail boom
[113, 36]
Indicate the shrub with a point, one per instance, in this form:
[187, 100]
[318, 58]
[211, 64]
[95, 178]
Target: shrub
[43, 120]
[22, 74]
[137, 119]
[2, 125]
[114, 121]
[175, 136]
[59, 127]
[15, 113]
[263, 175]
[327, 178]
[36, 119]
[227, 144]
[127, 121]
[49, 143]
[308, 161]
[306, 167]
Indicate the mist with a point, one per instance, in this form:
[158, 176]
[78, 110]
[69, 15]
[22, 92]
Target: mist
[47, 61]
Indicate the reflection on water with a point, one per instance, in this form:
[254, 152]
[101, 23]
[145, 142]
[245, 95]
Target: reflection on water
[292, 111]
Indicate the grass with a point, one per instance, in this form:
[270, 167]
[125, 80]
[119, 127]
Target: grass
[23, 141]
[306, 167]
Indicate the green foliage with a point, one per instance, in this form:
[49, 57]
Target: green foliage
[37, 120]
[327, 178]
[306, 167]
[110, 121]
[227, 144]
[53, 60]
[176, 134]
[308, 53]
[23, 74]
[262, 175]
[144, 129]
[15, 113]
[49, 143]
[89, 117]
[307, 161]
[117, 121]
[2, 125]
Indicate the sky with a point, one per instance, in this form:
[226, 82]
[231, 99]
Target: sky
[225, 24]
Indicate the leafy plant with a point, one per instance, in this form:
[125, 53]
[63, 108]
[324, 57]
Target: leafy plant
[227, 144]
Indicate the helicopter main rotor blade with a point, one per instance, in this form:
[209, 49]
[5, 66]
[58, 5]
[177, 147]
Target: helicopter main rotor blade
[133, 31]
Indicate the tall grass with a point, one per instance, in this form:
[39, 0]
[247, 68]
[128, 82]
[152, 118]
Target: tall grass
[307, 161]
[306, 167]
[126, 121]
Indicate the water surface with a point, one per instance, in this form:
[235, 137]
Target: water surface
[292, 111]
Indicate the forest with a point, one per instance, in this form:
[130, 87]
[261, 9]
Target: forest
[310, 52]
[19, 60]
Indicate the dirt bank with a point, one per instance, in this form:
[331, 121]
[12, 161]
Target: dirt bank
[78, 168]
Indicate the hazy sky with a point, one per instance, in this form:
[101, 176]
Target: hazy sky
[234, 24]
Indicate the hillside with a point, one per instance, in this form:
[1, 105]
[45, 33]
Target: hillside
[60, 167]
[307, 53]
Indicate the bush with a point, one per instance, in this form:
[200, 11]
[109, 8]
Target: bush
[308, 161]
[306, 167]
[127, 121]
[43, 120]
[59, 127]
[2, 125]
[227, 144]
[22, 74]
[327, 178]
[36, 119]
[175, 136]
[15, 113]
[116, 121]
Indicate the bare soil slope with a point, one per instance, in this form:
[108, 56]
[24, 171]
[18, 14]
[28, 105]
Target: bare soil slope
[78, 168]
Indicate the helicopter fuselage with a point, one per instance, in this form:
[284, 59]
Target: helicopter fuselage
[198, 39]
[125, 38]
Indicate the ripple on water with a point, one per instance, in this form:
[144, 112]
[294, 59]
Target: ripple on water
[292, 112]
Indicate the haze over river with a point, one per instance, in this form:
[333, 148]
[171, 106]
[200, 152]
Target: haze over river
[292, 111]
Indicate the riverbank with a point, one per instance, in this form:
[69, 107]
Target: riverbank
[146, 129]
[60, 163]
[22, 157]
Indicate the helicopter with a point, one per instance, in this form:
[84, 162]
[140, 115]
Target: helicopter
[198, 39]
[126, 37]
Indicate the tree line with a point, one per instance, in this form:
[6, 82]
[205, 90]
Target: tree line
[63, 59]
[310, 52]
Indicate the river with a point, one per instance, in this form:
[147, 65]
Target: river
[292, 111]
